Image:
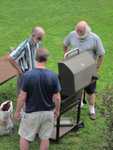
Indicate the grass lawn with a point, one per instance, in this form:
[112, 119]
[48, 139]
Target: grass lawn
[58, 18]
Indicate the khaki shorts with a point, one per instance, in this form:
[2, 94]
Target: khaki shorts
[41, 122]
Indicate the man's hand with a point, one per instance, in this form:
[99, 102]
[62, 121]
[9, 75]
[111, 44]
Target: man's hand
[20, 104]
[14, 64]
[99, 61]
[56, 114]
[17, 115]
[65, 49]
[57, 101]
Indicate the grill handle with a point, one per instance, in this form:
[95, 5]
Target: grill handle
[72, 52]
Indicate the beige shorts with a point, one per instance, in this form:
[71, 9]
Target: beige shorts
[40, 123]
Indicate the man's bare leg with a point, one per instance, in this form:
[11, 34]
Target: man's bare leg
[44, 144]
[91, 101]
[24, 144]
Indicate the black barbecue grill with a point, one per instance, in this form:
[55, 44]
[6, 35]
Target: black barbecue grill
[75, 72]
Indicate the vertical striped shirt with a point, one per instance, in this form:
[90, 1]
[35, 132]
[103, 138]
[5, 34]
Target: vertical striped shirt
[24, 55]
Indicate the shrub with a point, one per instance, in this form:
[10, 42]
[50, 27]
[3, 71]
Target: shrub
[108, 113]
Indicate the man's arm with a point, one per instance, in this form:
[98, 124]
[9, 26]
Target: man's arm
[100, 52]
[20, 103]
[100, 61]
[15, 54]
[65, 49]
[57, 101]
[67, 42]
[15, 65]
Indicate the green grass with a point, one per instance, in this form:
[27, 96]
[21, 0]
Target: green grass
[58, 17]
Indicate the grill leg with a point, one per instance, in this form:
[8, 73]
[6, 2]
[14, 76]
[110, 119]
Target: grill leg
[79, 124]
[78, 111]
[58, 129]
[84, 97]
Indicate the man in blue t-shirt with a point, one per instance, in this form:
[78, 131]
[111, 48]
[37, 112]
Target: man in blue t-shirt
[41, 96]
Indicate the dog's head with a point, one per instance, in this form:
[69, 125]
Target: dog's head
[5, 106]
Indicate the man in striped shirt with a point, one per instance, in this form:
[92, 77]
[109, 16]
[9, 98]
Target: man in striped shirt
[23, 57]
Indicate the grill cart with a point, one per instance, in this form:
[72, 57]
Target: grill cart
[75, 72]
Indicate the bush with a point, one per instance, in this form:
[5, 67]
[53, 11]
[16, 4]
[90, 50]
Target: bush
[108, 113]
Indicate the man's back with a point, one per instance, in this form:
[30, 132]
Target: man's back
[40, 84]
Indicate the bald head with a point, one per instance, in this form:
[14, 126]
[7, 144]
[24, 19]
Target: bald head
[82, 29]
[38, 30]
[37, 34]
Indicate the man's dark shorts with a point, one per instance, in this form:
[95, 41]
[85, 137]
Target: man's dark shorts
[91, 88]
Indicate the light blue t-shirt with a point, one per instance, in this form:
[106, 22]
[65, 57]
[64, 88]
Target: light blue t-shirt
[91, 43]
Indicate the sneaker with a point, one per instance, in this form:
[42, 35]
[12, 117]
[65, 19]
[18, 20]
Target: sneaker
[82, 104]
[92, 116]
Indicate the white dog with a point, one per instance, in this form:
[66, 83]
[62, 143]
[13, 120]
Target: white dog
[6, 117]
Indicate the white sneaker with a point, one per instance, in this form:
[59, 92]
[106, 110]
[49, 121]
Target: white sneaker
[82, 104]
